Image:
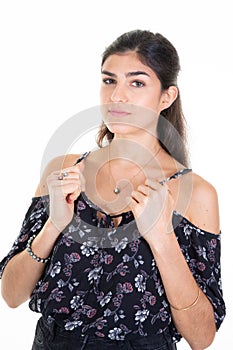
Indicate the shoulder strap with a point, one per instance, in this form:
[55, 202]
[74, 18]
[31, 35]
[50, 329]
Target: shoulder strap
[176, 175]
[84, 155]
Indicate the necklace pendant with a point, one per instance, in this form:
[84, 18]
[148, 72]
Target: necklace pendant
[116, 190]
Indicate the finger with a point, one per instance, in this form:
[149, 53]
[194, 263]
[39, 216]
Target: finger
[66, 187]
[74, 172]
[83, 181]
[71, 197]
[63, 183]
[77, 169]
[64, 176]
[72, 177]
[165, 186]
[131, 203]
[144, 189]
[155, 185]
[79, 166]
[139, 197]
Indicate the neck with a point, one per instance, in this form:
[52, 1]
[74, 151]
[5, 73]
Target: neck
[135, 159]
[134, 150]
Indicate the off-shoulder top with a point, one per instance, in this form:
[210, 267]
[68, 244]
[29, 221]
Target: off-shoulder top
[104, 280]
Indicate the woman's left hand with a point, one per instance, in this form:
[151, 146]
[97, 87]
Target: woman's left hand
[152, 205]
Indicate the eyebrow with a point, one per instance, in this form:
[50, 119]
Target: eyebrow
[129, 74]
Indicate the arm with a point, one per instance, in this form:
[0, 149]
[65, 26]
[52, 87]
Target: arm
[196, 324]
[22, 272]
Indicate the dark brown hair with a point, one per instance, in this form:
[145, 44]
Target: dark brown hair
[155, 51]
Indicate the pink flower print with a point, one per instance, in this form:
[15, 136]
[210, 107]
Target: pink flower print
[44, 287]
[108, 259]
[152, 300]
[201, 266]
[81, 205]
[91, 313]
[127, 287]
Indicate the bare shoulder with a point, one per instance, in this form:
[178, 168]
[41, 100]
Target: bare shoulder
[56, 164]
[203, 209]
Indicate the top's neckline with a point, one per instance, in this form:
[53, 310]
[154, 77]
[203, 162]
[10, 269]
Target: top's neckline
[181, 217]
[96, 207]
[176, 213]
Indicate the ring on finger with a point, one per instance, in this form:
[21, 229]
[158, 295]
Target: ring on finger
[61, 176]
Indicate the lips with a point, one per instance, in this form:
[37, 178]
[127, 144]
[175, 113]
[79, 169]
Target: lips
[118, 113]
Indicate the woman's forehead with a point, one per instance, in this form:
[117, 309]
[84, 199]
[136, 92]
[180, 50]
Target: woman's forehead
[126, 62]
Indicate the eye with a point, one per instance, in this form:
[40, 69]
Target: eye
[138, 84]
[109, 81]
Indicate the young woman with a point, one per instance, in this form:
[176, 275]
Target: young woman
[120, 248]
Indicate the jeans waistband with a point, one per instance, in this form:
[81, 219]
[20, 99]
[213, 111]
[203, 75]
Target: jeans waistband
[55, 331]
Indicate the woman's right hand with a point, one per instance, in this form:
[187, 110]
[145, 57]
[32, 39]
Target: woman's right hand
[63, 191]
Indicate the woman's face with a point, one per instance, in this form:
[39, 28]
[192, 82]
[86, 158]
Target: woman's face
[130, 93]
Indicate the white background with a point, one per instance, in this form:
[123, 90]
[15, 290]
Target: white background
[49, 70]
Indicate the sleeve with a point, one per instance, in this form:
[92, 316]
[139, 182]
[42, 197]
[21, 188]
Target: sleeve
[33, 222]
[202, 251]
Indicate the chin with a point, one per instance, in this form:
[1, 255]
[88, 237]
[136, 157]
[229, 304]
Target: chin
[122, 128]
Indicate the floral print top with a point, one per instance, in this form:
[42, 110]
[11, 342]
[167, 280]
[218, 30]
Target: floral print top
[104, 280]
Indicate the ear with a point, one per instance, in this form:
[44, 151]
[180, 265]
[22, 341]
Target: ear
[168, 97]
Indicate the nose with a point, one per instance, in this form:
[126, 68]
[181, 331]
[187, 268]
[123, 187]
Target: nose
[119, 94]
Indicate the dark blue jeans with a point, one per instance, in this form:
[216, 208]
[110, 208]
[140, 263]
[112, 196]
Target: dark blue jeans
[51, 337]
